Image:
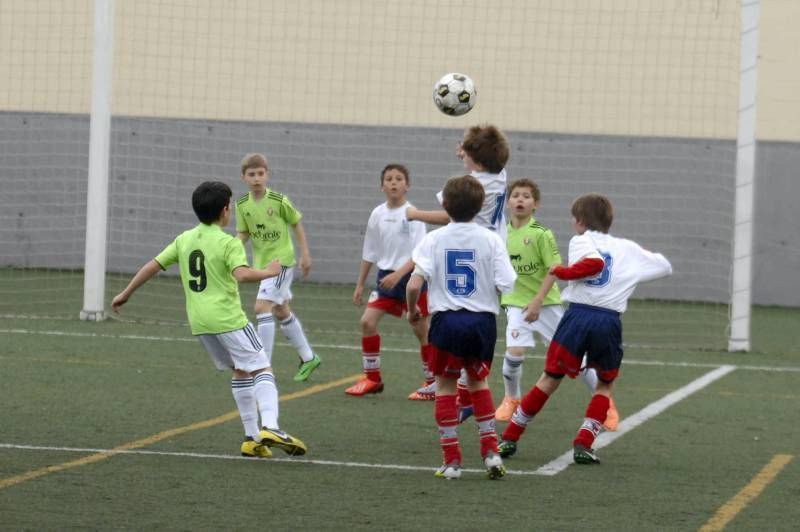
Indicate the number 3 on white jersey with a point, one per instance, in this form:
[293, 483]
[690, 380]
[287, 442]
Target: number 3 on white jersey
[460, 275]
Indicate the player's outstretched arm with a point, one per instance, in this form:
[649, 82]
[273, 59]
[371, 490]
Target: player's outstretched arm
[302, 243]
[144, 274]
[246, 274]
[429, 217]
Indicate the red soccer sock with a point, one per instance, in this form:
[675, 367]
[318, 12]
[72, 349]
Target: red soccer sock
[484, 416]
[530, 405]
[464, 397]
[595, 416]
[446, 414]
[371, 357]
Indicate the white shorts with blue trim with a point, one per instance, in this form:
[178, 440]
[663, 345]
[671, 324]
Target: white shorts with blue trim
[277, 289]
[519, 333]
[241, 349]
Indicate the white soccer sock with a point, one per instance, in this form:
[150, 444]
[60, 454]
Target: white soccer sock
[266, 330]
[244, 395]
[512, 374]
[293, 330]
[266, 392]
[589, 378]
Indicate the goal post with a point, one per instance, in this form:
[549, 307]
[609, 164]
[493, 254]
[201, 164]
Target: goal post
[94, 275]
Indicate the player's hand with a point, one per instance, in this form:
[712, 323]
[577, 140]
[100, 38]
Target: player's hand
[305, 265]
[531, 311]
[414, 315]
[119, 300]
[274, 268]
[357, 293]
[411, 213]
[390, 281]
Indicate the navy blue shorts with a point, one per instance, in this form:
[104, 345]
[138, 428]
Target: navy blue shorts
[399, 290]
[462, 339]
[593, 331]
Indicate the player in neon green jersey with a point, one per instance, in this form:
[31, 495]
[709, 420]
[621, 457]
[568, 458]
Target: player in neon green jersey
[264, 217]
[535, 303]
[211, 264]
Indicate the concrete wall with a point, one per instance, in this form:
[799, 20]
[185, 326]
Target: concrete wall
[674, 195]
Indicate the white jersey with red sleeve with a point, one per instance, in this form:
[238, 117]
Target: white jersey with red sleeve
[390, 237]
[465, 266]
[626, 264]
[492, 213]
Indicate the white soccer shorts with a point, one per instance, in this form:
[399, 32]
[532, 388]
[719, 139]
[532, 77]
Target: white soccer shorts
[241, 349]
[277, 289]
[519, 333]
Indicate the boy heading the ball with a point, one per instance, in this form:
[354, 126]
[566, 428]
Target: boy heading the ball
[211, 264]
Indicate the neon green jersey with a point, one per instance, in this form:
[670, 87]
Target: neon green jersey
[267, 221]
[532, 249]
[206, 256]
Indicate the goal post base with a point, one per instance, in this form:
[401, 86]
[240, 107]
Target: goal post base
[93, 315]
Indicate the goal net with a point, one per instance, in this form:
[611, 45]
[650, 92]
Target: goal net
[635, 99]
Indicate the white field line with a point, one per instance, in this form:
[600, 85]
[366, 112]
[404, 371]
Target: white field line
[631, 422]
[234, 457]
[357, 348]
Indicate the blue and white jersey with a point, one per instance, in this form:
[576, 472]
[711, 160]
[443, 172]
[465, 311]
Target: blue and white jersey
[389, 237]
[492, 213]
[626, 265]
[465, 266]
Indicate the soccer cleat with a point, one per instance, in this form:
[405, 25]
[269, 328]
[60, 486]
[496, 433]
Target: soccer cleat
[449, 471]
[612, 417]
[584, 455]
[307, 368]
[464, 413]
[426, 392]
[507, 448]
[494, 466]
[255, 449]
[363, 387]
[506, 408]
[277, 438]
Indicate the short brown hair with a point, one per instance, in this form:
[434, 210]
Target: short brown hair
[400, 168]
[487, 146]
[254, 160]
[462, 198]
[524, 182]
[594, 211]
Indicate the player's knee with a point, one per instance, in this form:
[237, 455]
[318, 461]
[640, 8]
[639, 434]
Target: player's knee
[262, 306]
[369, 325]
[281, 311]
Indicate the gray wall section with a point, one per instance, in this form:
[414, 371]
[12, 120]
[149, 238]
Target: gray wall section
[670, 195]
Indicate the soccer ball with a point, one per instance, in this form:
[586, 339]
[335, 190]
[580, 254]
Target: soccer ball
[455, 94]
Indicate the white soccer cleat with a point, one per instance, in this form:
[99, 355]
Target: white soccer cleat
[449, 471]
[494, 466]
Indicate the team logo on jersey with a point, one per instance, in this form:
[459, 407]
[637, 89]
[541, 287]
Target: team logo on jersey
[526, 241]
[270, 211]
[514, 334]
[515, 257]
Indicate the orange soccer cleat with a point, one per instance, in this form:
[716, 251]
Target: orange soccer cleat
[612, 417]
[363, 387]
[506, 408]
[426, 392]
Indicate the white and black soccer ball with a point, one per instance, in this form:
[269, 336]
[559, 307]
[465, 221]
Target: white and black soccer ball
[454, 94]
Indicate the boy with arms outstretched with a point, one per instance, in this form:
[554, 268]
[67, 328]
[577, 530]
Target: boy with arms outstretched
[535, 303]
[484, 152]
[211, 263]
[388, 242]
[465, 265]
[264, 216]
[603, 272]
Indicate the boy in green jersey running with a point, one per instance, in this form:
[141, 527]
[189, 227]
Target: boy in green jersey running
[535, 303]
[264, 216]
[212, 263]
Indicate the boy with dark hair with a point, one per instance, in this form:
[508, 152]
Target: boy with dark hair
[212, 263]
[465, 265]
[484, 152]
[388, 242]
[265, 216]
[603, 272]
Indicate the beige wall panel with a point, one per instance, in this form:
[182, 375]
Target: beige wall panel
[633, 67]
